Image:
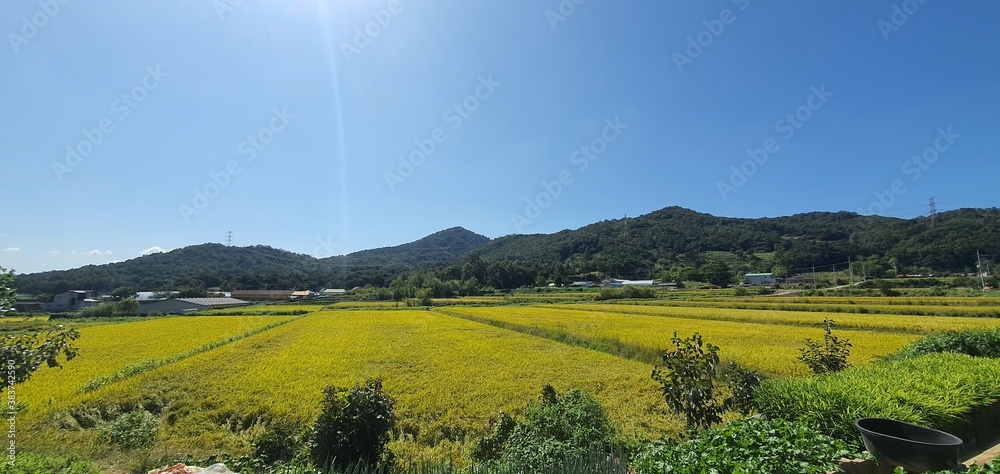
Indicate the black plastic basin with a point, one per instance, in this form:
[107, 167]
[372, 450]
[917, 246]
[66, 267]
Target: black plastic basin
[915, 448]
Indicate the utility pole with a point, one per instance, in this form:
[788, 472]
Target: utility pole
[864, 275]
[834, 274]
[850, 269]
[979, 266]
[229, 239]
[815, 282]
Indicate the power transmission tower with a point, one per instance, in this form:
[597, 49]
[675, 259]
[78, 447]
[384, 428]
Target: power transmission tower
[933, 213]
[229, 239]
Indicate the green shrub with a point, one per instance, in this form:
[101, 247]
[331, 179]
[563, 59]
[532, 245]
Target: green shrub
[742, 383]
[831, 356]
[626, 292]
[933, 390]
[740, 291]
[750, 445]
[132, 430]
[28, 463]
[974, 342]
[279, 441]
[988, 468]
[490, 446]
[555, 431]
[353, 426]
[688, 378]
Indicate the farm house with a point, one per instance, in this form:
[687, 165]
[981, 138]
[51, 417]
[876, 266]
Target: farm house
[759, 279]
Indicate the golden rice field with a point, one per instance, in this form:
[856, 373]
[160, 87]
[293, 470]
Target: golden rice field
[770, 347]
[449, 376]
[943, 308]
[875, 322]
[450, 369]
[106, 348]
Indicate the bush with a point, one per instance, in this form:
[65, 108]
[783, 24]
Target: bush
[280, 441]
[353, 426]
[626, 292]
[973, 342]
[740, 291]
[922, 390]
[688, 381]
[135, 429]
[829, 357]
[742, 383]
[28, 463]
[555, 431]
[750, 445]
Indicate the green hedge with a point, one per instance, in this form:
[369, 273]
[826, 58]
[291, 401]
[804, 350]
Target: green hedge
[933, 390]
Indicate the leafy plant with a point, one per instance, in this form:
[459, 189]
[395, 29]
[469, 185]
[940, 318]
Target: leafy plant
[688, 376]
[490, 446]
[830, 356]
[742, 383]
[27, 352]
[974, 342]
[919, 390]
[353, 426]
[132, 430]
[555, 431]
[8, 295]
[750, 445]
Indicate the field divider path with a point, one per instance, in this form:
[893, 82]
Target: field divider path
[970, 311]
[779, 319]
[608, 346]
[147, 365]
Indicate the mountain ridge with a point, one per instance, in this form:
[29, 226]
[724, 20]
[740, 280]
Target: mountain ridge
[664, 242]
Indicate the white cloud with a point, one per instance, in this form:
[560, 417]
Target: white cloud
[152, 250]
[54, 252]
[12, 250]
[99, 252]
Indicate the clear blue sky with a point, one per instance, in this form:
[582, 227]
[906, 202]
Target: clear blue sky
[311, 114]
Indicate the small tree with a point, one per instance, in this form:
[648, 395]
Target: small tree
[830, 356]
[353, 426]
[688, 375]
[29, 351]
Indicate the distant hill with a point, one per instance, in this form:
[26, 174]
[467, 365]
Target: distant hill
[439, 247]
[675, 236]
[670, 243]
[259, 266]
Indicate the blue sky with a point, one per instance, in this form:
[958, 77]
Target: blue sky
[325, 128]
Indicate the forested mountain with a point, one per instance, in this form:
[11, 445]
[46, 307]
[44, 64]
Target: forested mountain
[672, 243]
